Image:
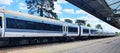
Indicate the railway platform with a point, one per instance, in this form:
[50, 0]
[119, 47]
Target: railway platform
[105, 45]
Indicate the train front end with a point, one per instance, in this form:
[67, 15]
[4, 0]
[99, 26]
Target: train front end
[1, 25]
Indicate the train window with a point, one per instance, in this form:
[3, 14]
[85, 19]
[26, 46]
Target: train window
[0, 22]
[22, 24]
[73, 29]
[85, 30]
[93, 31]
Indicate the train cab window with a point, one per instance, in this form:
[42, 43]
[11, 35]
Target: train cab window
[85, 30]
[0, 22]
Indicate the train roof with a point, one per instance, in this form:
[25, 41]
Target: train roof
[32, 16]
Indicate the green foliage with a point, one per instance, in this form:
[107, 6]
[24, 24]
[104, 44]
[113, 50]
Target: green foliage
[98, 26]
[117, 33]
[56, 18]
[68, 20]
[42, 7]
[80, 22]
[88, 25]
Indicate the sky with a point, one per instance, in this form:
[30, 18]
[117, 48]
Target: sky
[64, 10]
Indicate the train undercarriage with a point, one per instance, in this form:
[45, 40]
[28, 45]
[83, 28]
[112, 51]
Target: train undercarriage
[7, 42]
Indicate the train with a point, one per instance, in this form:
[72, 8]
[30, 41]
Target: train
[19, 28]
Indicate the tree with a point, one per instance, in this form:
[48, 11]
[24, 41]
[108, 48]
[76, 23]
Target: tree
[88, 25]
[98, 26]
[80, 22]
[68, 20]
[117, 33]
[56, 17]
[42, 7]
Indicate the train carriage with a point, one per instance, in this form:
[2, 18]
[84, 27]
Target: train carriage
[24, 25]
[19, 28]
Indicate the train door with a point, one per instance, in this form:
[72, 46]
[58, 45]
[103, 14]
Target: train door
[65, 30]
[79, 30]
[1, 23]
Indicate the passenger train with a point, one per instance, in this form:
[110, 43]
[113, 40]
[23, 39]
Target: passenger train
[19, 28]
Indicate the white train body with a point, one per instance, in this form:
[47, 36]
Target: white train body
[16, 24]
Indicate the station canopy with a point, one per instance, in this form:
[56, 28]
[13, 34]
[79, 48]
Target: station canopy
[114, 5]
[106, 10]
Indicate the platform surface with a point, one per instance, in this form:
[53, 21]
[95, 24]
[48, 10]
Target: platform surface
[106, 45]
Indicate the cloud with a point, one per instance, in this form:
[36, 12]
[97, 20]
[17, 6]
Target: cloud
[22, 6]
[62, 1]
[69, 11]
[81, 12]
[58, 8]
[6, 2]
[2, 7]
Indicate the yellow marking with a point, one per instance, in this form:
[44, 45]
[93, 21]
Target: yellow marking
[2, 18]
